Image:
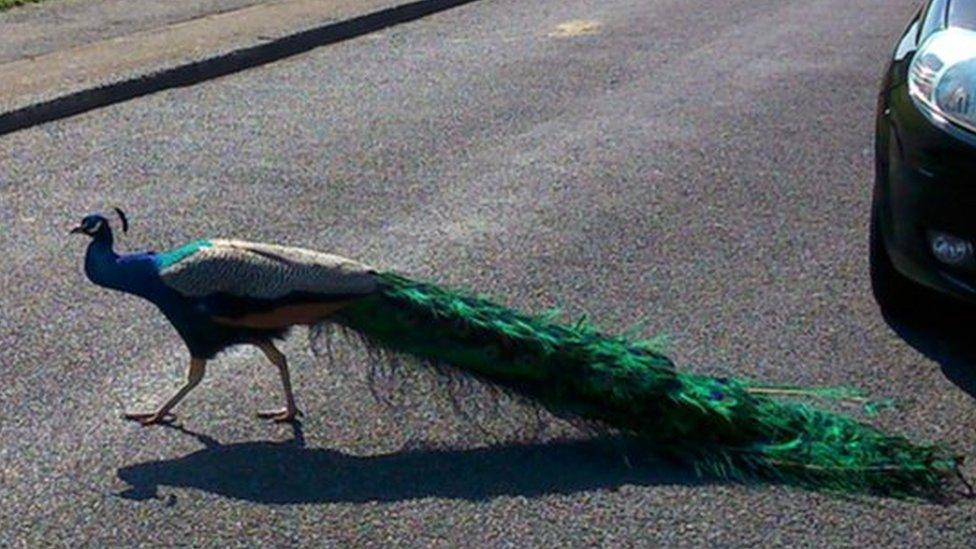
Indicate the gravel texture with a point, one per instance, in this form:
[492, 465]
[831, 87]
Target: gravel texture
[704, 166]
[35, 29]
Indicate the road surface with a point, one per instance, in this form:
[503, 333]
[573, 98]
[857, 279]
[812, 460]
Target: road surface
[703, 166]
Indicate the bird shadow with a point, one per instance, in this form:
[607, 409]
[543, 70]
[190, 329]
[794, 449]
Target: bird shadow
[290, 473]
[943, 333]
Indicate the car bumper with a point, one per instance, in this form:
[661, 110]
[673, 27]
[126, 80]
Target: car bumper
[927, 182]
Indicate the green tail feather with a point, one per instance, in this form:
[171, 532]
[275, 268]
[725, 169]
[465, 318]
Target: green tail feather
[725, 427]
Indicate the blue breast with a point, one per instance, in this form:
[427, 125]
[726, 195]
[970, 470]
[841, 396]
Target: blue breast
[139, 274]
[135, 273]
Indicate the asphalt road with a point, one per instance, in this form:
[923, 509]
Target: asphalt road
[701, 165]
[35, 30]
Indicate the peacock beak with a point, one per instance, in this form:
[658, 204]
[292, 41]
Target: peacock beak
[76, 230]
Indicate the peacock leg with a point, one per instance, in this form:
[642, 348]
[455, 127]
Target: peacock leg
[290, 410]
[194, 375]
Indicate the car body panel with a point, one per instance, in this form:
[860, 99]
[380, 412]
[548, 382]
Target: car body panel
[925, 169]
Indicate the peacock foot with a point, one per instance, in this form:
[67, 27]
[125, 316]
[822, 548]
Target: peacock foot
[284, 415]
[150, 418]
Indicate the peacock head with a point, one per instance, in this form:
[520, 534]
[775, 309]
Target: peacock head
[97, 226]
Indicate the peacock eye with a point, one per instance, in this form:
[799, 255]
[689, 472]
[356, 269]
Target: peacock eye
[94, 226]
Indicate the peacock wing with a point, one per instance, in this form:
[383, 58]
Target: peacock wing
[262, 271]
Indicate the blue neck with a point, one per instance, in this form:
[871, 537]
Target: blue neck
[126, 273]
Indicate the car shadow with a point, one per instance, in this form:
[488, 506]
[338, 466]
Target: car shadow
[943, 333]
[289, 473]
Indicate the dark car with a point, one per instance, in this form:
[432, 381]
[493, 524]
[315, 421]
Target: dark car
[923, 218]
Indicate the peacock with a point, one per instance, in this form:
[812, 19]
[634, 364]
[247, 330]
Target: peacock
[219, 293]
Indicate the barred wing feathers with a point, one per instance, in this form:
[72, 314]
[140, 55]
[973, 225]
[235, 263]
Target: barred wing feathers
[262, 271]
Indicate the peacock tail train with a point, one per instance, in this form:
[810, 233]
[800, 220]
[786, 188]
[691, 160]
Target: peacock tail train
[728, 428]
